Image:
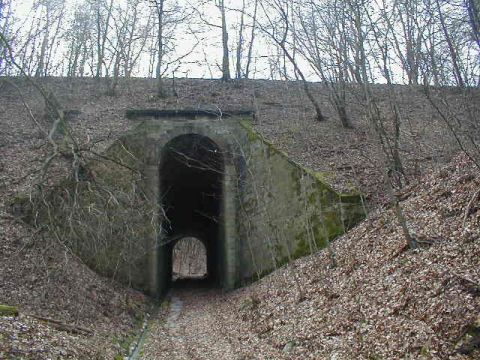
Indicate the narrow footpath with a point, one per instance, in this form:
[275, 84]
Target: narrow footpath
[193, 328]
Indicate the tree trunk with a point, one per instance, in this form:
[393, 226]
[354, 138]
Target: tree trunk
[252, 38]
[411, 241]
[160, 13]
[451, 48]
[41, 71]
[238, 64]
[473, 9]
[226, 56]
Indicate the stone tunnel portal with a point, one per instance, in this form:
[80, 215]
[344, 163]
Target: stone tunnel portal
[191, 190]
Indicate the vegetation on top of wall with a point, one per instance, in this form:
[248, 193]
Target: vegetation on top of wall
[320, 177]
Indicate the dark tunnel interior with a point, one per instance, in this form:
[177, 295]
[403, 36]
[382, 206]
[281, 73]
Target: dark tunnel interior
[191, 175]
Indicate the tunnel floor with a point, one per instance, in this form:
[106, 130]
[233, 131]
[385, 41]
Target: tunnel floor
[191, 328]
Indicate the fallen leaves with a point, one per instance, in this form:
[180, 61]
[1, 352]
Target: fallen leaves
[380, 302]
[412, 305]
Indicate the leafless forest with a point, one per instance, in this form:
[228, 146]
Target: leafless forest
[430, 42]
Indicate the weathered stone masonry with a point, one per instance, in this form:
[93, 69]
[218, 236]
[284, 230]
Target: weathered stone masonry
[272, 210]
[213, 177]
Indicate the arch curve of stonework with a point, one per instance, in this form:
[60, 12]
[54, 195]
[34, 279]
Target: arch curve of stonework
[223, 141]
[149, 142]
[270, 209]
[196, 185]
[191, 187]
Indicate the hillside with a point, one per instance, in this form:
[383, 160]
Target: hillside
[284, 116]
[380, 301]
[383, 301]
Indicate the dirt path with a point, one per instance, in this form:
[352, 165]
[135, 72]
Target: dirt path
[192, 328]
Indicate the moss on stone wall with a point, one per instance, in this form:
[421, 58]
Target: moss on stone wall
[6, 310]
[297, 209]
[283, 210]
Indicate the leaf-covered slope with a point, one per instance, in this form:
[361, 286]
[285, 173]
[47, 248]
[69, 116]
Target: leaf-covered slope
[90, 315]
[381, 301]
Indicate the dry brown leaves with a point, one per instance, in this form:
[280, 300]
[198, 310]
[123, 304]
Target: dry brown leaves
[382, 301]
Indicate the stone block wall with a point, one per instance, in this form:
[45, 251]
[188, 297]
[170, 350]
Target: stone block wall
[273, 210]
[285, 211]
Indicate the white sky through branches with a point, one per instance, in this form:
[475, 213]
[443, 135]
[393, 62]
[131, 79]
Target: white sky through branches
[203, 62]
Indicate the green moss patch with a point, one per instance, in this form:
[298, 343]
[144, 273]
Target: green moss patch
[6, 310]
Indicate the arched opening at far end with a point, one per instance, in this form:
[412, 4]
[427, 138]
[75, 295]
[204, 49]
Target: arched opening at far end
[189, 260]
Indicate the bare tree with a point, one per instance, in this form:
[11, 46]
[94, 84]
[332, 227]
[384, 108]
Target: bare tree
[451, 46]
[41, 70]
[226, 53]
[102, 10]
[223, 26]
[393, 172]
[135, 41]
[322, 41]
[41, 41]
[253, 27]
[473, 10]
[277, 28]
[127, 43]
[78, 35]
[5, 25]
[159, 6]
[408, 14]
[245, 42]
[240, 42]
[169, 16]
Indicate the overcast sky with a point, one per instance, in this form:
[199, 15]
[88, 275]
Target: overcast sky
[207, 51]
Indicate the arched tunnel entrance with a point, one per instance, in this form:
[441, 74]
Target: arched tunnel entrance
[189, 260]
[192, 173]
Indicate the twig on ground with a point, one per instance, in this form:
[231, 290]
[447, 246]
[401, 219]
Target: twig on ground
[59, 325]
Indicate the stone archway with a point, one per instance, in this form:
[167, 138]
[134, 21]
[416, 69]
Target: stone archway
[261, 202]
[192, 173]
